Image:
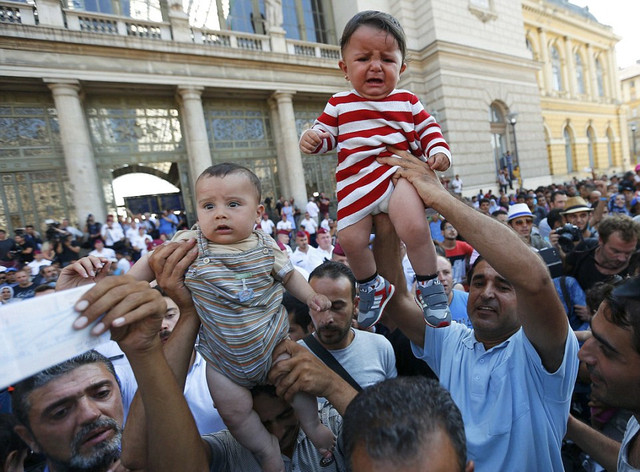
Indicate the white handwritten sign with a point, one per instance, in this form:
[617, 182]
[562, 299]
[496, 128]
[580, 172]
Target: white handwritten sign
[36, 334]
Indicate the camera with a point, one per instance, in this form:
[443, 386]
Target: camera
[567, 235]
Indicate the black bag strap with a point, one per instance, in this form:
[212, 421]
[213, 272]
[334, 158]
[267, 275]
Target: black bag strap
[330, 361]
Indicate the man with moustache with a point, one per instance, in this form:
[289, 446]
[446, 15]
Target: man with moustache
[366, 356]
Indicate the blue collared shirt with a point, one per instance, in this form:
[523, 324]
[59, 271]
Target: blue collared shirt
[514, 411]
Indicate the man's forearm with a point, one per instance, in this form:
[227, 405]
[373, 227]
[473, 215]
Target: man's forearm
[169, 429]
[603, 449]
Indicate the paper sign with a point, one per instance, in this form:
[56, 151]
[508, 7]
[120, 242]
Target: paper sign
[37, 333]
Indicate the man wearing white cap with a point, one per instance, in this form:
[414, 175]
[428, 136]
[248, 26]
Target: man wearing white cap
[520, 219]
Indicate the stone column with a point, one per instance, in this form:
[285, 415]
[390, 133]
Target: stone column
[612, 72]
[179, 22]
[283, 172]
[78, 150]
[546, 64]
[572, 86]
[195, 131]
[592, 81]
[290, 148]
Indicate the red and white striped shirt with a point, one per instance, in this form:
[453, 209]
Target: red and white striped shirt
[361, 129]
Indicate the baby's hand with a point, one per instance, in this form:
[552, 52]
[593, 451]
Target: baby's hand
[311, 139]
[439, 162]
[317, 302]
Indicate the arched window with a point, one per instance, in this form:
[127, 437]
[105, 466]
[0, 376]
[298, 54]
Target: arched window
[556, 69]
[568, 149]
[591, 147]
[600, 78]
[498, 131]
[579, 74]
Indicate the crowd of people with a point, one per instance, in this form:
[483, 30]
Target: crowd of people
[513, 413]
[252, 342]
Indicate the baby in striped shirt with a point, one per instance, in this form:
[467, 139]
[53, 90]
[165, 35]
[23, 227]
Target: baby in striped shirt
[237, 286]
[362, 124]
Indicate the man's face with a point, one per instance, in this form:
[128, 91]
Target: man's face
[579, 219]
[445, 275]
[19, 239]
[75, 420]
[171, 317]
[279, 418]
[449, 232]
[3, 235]
[324, 241]
[522, 225]
[492, 305]
[616, 252]
[296, 332]
[484, 207]
[302, 243]
[49, 273]
[334, 325]
[530, 203]
[22, 278]
[341, 259]
[613, 362]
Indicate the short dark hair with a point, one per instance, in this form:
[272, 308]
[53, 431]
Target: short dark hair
[227, 168]
[554, 216]
[622, 224]
[376, 19]
[393, 420]
[484, 200]
[334, 270]
[556, 193]
[9, 439]
[299, 310]
[20, 396]
[497, 213]
[478, 260]
[625, 310]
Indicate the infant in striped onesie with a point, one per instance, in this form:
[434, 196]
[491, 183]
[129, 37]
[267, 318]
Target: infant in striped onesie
[237, 286]
[363, 123]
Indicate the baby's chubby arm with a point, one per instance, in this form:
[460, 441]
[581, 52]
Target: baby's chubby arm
[297, 286]
[439, 162]
[141, 270]
[311, 139]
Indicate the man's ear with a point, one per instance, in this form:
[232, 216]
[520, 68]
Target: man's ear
[27, 437]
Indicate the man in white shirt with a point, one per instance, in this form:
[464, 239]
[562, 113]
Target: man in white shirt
[325, 248]
[75, 232]
[305, 256]
[456, 185]
[267, 225]
[313, 209]
[310, 226]
[284, 223]
[111, 232]
[102, 251]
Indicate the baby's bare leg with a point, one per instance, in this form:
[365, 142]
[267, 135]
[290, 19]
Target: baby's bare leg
[354, 239]
[235, 405]
[406, 212]
[306, 408]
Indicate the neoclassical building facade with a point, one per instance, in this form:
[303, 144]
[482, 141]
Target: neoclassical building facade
[94, 89]
[630, 85]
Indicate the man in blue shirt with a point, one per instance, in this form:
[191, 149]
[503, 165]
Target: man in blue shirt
[512, 374]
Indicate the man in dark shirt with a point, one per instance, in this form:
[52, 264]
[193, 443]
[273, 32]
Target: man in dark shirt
[6, 245]
[23, 252]
[25, 288]
[613, 253]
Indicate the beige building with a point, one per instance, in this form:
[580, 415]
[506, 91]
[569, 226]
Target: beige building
[583, 117]
[94, 89]
[630, 84]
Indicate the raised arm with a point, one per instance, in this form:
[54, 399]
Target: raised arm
[603, 449]
[150, 441]
[539, 308]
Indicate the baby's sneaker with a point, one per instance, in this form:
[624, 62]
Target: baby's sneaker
[433, 301]
[374, 296]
